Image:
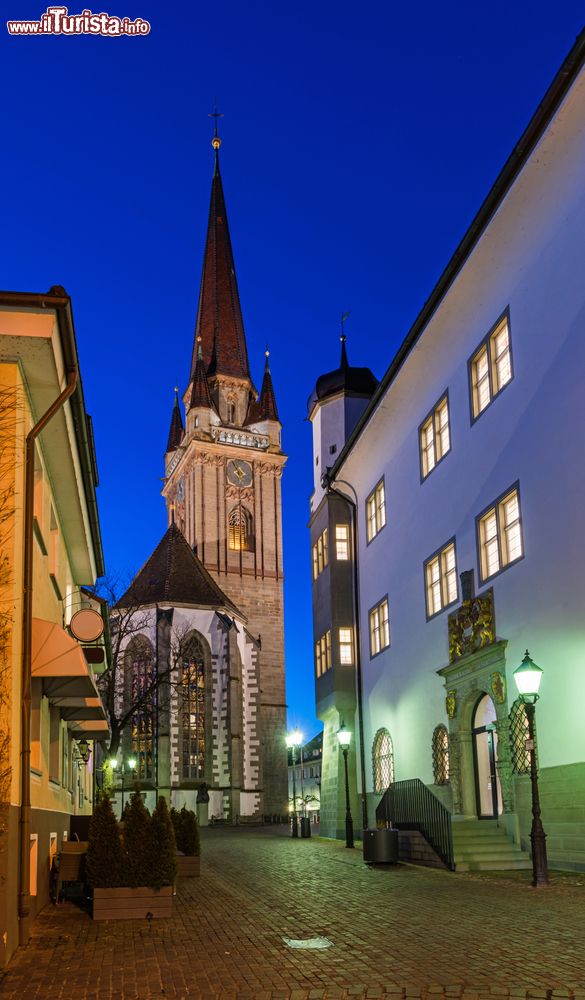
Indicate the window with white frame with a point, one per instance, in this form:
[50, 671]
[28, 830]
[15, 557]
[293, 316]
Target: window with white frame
[490, 367]
[375, 511]
[379, 627]
[434, 436]
[323, 654]
[500, 534]
[346, 645]
[320, 554]
[441, 579]
[342, 541]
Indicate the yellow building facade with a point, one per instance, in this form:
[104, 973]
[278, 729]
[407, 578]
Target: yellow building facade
[50, 549]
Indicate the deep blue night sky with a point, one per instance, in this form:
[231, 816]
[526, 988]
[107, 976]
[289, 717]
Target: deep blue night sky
[358, 142]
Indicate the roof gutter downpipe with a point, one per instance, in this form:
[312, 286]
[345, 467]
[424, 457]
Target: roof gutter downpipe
[331, 488]
[29, 485]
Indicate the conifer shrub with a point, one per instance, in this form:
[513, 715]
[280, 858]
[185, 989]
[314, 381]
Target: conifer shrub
[105, 863]
[163, 847]
[186, 832]
[137, 839]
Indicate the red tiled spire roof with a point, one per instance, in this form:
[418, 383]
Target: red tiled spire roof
[219, 315]
[176, 431]
[200, 394]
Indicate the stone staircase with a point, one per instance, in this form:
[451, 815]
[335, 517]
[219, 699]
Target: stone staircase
[482, 845]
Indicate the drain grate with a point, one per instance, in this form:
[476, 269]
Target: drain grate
[315, 943]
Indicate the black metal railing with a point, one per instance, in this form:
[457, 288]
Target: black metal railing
[410, 805]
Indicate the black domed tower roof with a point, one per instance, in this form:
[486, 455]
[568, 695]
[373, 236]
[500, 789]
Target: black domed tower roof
[347, 378]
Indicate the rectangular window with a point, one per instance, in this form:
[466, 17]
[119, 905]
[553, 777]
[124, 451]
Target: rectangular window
[342, 541]
[34, 863]
[500, 534]
[490, 367]
[320, 554]
[441, 579]
[345, 646]
[379, 627]
[434, 436]
[375, 511]
[323, 654]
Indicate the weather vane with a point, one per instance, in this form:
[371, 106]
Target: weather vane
[343, 319]
[216, 141]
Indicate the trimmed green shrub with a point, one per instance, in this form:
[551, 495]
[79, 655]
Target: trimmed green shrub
[105, 864]
[137, 843]
[186, 832]
[163, 847]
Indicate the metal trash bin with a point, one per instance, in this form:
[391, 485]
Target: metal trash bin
[380, 847]
[305, 826]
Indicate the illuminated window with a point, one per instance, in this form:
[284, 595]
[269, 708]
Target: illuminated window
[500, 534]
[490, 367]
[192, 713]
[34, 863]
[346, 645]
[320, 554]
[323, 654]
[379, 627]
[375, 511]
[441, 755]
[342, 541]
[441, 579]
[518, 737]
[140, 681]
[434, 436]
[383, 761]
[241, 536]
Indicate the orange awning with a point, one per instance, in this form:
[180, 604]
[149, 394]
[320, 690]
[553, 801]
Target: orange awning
[58, 661]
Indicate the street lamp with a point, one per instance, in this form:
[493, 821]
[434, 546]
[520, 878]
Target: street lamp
[344, 738]
[293, 741]
[528, 677]
[131, 766]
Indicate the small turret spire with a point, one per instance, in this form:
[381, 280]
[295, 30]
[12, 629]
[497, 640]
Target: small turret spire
[344, 363]
[200, 394]
[176, 431]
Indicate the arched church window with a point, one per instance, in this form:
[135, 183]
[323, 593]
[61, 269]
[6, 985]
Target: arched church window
[231, 413]
[518, 737]
[240, 530]
[441, 755]
[192, 710]
[140, 685]
[383, 761]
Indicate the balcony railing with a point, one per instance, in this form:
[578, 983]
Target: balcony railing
[410, 805]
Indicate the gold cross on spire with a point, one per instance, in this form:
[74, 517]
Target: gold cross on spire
[216, 141]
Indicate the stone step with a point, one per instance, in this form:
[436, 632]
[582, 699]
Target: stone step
[519, 864]
[498, 847]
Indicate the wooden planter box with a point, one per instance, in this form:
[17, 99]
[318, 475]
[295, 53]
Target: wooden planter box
[127, 904]
[188, 867]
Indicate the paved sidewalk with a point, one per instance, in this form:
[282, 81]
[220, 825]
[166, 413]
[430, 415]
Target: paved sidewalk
[401, 932]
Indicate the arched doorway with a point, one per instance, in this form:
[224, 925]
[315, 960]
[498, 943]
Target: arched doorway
[488, 794]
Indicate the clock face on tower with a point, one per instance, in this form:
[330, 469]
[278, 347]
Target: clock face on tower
[239, 473]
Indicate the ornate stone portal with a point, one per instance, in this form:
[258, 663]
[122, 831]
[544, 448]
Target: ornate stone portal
[477, 667]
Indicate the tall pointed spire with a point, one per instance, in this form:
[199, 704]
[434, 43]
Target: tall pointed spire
[219, 316]
[176, 431]
[200, 394]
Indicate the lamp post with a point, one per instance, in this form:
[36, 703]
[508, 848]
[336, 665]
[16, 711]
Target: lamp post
[131, 766]
[293, 741]
[344, 739]
[528, 677]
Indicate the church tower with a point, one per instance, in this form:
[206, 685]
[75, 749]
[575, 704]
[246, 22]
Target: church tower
[223, 481]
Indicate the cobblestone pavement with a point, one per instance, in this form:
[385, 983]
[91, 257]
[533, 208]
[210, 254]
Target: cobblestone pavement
[401, 932]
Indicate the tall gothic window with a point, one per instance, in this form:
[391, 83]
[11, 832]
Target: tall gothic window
[192, 711]
[518, 737]
[383, 761]
[441, 755]
[240, 530]
[140, 667]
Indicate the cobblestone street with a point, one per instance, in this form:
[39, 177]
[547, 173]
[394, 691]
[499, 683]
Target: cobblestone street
[402, 932]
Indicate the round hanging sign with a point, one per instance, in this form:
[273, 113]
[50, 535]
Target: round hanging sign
[86, 625]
